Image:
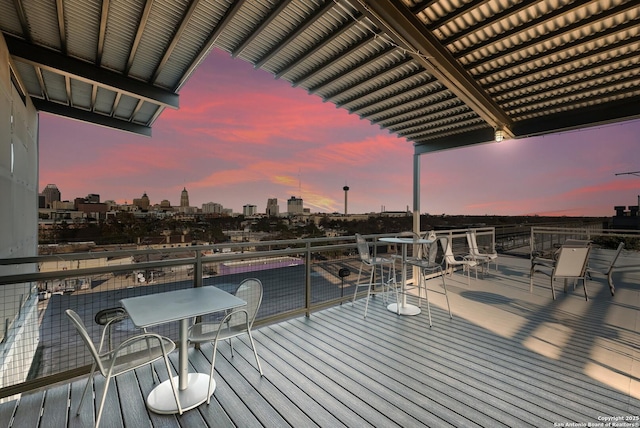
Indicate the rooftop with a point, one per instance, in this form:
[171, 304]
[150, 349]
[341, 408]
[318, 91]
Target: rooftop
[507, 358]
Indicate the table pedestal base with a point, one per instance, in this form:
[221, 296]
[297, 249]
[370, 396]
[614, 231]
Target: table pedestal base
[406, 309]
[161, 399]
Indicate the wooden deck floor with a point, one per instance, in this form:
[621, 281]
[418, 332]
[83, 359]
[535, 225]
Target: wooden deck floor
[507, 358]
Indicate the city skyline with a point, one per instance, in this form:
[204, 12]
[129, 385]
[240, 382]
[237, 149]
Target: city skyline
[241, 137]
[184, 199]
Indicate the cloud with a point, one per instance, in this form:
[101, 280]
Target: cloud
[240, 136]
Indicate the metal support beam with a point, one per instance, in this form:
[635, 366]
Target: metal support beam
[60, 64]
[87, 116]
[455, 141]
[416, 193]
[405, 29]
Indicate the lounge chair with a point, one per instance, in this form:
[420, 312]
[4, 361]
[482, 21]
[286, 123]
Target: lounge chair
[549, 263]
[481, 257]
[452, 260]
[571, 263]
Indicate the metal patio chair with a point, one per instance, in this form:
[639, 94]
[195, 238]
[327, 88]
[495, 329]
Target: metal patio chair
[237, 322]
[371, 262]
[571, 263]
[481, 257]
[608, 271]
[428, 263]
[452, 260]
[135, 352]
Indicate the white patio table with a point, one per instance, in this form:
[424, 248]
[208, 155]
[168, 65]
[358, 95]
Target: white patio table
[179, 305]
[405, 308]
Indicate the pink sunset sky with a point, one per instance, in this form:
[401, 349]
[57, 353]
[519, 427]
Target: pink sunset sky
[241, 137]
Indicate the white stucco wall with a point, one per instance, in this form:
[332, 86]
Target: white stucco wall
[18, 223]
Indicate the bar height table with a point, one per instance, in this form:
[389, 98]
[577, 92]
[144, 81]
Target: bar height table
[179, 305]
[405, 308]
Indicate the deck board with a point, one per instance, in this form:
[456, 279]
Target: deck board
[402, 374]
[56, 409]
[131, 399]
[212, 414]
[345, 381]
[6, 412]
[507, 358]
[271, 394]
[28, 415]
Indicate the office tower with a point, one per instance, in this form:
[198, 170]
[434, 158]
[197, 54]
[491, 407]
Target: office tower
[93, 198]
[184, 198]
[51, 194]
[294, 206]
[212, 208]
[248, 210]
[273, 210]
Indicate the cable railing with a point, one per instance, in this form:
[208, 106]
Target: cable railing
[38, 346]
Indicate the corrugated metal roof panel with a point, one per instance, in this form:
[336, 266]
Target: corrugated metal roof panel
[321, 28]
[313, 71]
[104, 101]
[30, 79]
[146, 113]
[55, 86]
[284, 23]
[81, 94]
[395, 79]
[82, 24]
[205, 19]
[250, 15]
[164, 14]
[42, 19]
[122, 23]
[343, 64]
[125, 107]
[9, 20]
[403, 102]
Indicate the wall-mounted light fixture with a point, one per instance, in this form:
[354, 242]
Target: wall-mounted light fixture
[499, 135]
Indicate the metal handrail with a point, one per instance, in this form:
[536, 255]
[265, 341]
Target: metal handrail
[200, 256]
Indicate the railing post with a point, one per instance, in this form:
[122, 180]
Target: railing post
[307, 279]
[197, 282]
[197, 270]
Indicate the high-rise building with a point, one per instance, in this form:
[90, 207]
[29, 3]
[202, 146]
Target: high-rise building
[273, 210]
[93, 198]
[249, 210]
[212, 208]
[51, 194]
[184, 198]
[294, 206]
